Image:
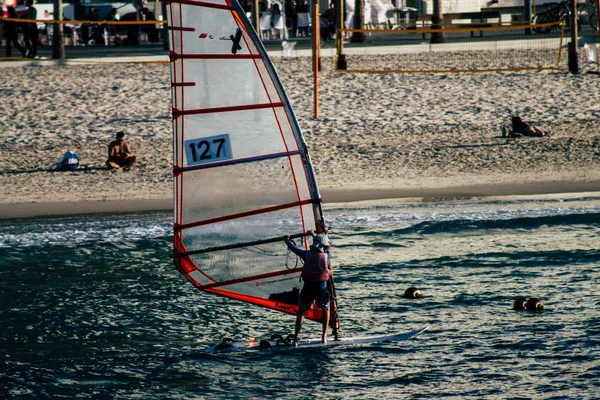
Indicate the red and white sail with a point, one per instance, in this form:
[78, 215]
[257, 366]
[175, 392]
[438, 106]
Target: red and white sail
[242, 174]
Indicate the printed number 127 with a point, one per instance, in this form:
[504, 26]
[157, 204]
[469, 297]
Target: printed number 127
[208, 149]
[204, 149]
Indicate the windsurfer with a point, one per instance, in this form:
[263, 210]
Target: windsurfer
[119, 153]
[315, 274]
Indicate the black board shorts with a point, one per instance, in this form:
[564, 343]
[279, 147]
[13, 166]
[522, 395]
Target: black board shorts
[313, 292]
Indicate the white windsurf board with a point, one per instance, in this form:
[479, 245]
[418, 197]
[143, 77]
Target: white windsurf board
[280, 344]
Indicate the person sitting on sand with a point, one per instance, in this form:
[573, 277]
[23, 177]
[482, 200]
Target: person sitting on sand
[315, 274]
[119, 153]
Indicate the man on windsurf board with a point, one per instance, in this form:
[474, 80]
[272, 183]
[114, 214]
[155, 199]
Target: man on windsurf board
[315, 274]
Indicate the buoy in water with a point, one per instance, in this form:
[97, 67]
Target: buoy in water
[534, 304]
[412, 293]
[520, 304]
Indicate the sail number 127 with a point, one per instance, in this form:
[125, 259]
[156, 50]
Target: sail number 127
[208, 149]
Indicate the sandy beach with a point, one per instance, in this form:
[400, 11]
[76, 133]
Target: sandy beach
[377, 136]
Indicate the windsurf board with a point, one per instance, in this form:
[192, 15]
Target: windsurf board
[285, 344]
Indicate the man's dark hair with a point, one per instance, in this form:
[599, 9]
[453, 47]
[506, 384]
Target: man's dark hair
[120, 134]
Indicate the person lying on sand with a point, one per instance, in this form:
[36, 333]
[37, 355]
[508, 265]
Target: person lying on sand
[119, 153]
[520, 128]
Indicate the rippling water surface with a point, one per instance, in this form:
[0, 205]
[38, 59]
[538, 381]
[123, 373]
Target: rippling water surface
[92, 307]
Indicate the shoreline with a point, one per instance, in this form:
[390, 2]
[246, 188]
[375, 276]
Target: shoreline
[345, 197]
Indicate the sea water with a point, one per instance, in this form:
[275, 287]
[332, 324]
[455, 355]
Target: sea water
[92, 307]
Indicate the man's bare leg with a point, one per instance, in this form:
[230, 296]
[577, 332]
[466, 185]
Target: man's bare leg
[325, 320]
[299, 322]
[112, 165]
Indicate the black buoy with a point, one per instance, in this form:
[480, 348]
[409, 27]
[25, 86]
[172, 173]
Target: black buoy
[534, 304]
[519, 304]
[412, 293]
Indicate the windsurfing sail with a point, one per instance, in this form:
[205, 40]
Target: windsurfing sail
[243, 178]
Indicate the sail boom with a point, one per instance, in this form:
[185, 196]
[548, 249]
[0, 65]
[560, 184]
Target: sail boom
[236, 246]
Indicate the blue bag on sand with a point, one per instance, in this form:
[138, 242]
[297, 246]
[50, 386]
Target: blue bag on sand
[70, 162]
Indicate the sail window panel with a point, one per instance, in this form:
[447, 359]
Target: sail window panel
[310, 214]
[213, 31]
[177, 206]
[252, 48]
[250, 133]
[177, 91]
[224, 83]
[224, 265]
[268, 82]
[176, 44]
[174, 19]
[200, 278]
[178, 143]
[300, 177]
[240, 188]
[217, 2]
[285, 126]
[176, 72]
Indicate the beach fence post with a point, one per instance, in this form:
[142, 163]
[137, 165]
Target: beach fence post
[58, 39]
[598, 18]
[528, 16]
[255, 17]
[316, 41]
[358, 23]
[438, 35]
[573, 55]
[339, 37]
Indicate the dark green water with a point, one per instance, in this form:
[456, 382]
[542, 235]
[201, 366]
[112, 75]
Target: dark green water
[92, 307]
